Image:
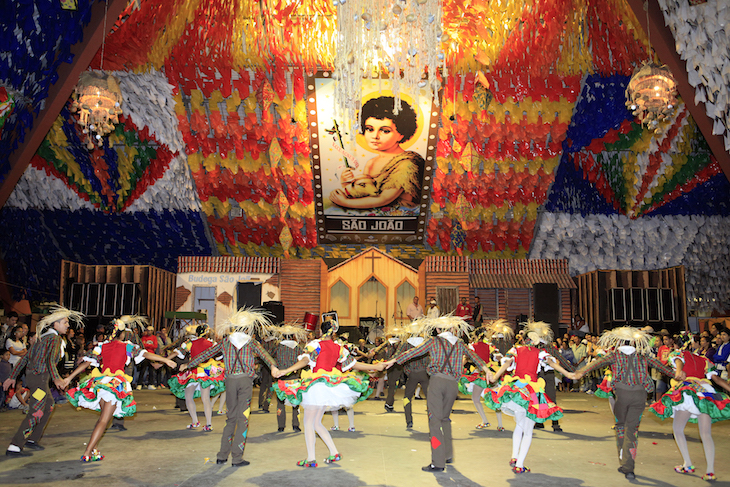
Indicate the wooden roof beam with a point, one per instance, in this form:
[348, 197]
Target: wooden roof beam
[59, 93]
[662, 41]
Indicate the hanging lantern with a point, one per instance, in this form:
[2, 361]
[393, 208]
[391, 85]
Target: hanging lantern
[652, 95]
[98, 99]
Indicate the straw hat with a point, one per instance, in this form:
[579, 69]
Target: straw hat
[625, 335]
[58, 313]
[248, 321]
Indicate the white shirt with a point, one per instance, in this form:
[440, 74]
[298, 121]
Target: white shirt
[17, 346]
[433, 312]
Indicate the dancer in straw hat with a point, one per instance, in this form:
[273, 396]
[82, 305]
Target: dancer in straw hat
[630, 361]
[522, 394]
[286, 353]
[239, 350]
[108, 389]
[40, 364]
[446, 352]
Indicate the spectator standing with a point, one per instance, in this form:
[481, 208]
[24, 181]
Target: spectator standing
[414, 310]
[463, 309]
[149, 342]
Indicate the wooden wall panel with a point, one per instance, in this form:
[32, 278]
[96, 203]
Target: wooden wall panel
[458, 280]
[301, 287]
[156, 286]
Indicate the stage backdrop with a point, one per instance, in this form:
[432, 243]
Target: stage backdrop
[373, 187]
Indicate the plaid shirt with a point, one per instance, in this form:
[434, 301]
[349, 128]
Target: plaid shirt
[622, 371]
[42, 357]
[564, 362]
[438, 348]
[245, 362]
[286, 357]
[419, 363]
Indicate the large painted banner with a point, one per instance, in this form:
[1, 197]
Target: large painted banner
[374, 187]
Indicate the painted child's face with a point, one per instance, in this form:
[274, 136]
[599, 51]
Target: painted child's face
[381, 135]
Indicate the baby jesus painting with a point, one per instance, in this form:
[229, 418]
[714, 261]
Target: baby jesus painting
[392, 178]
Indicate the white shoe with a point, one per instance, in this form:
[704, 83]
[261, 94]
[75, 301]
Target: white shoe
[151, 387]
[139, 388]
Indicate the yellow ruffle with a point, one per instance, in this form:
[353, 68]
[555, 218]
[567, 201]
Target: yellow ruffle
[108, 373]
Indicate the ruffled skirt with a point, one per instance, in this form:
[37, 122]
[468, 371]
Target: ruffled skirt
[467, 383]
[331, 390]
[605, 388]
[113, 387]
[209, 374]
[516, 394]
[696, 396]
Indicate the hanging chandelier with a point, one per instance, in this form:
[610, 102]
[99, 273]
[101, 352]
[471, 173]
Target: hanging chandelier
[98, 100]
[390, 39]
[652, 95]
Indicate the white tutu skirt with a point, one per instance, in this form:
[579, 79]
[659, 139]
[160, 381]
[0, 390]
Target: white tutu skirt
[331, 397]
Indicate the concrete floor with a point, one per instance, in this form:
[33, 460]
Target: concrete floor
[157, 450]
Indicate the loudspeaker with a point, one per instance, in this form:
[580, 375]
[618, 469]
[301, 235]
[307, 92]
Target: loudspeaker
[276, 309]
[617, 296]
[635, 302]
[651, 297]
[93, 298]
[248, 294]
[547, 304]
[129, 299]
[77, 296]
[667, 305]
[547, 301]
[109, 306]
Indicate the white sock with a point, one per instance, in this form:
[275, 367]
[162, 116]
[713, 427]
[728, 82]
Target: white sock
[13, 448]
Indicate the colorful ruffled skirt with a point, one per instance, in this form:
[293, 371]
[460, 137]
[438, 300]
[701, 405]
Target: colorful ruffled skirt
[515, 393]
[114, 387]
[696, 396]
[605, 388]
[331, 390]
[208, 374]
[467, 383]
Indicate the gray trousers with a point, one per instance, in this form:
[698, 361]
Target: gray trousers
[39, 411]
[629, 408]
[239, 389]
[394, 375]
[414, 378]
[440, 399]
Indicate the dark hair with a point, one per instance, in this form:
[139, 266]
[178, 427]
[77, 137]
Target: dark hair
[15, 328]
[3, 351]
[383, 107]
[200, 330]
[722, 329]
[325, 327]
[12, 314]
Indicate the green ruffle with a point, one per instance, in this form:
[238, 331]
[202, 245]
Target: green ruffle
[664, 408]
[360, 384]
[129, 406]
[464, 382]
[519, 399]
[216, 387]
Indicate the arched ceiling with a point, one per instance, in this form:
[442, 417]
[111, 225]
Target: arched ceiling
[532, 122]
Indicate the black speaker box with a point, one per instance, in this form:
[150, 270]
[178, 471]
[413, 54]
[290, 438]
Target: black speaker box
[667, 305]
[652, 301]
[130, 299]
[93, 299]
[635, 304]
[547, 304]
[77, 296]
[248, 294]
[618, 304]
[109, 301]
[276, 309]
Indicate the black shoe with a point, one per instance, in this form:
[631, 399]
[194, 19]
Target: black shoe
[266, 411]
[539, 426]
[297, 429]
[221, 462]
[280, 430]
[242, 463]
[557, 428]
[388, 408]
[419, 398]
[409, 425]
[449, 460]
[34, 446]
[20, 453]
[432, 469]
[628, 474]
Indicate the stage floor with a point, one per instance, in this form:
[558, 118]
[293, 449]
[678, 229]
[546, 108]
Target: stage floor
[157, 450]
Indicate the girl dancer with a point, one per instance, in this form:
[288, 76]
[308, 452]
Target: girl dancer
[476, 383]
[325, 388]
[204, 381]
[694, 400]
[522, 394]
[109, 391]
